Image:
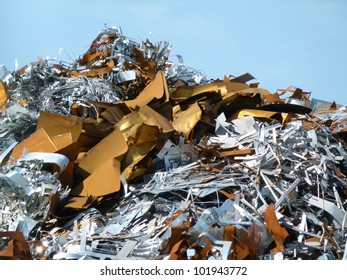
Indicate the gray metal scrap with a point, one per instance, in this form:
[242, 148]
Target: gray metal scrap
[45, 91]
[43, 87]
[287, 169]
[17, 122]
[187, 74]
[25, 191]
[300, 156]
[141, 216]
[192, 197]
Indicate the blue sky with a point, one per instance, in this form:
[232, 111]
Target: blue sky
[295, 42]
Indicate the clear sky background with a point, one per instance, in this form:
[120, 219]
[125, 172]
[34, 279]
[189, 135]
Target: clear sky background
[280, 42]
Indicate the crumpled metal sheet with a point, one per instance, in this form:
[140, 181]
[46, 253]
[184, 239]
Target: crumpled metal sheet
[17, 122]
[123, 154]
[5, 75]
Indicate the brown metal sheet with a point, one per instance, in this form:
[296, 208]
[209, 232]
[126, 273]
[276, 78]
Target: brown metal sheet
[155, 90]
[39, 141]
[112, 146]
[278, 232]
[3, 97]
[56, 124]
[187, 120]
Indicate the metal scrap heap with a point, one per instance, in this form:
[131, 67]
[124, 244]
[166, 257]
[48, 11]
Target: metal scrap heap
[123, 154]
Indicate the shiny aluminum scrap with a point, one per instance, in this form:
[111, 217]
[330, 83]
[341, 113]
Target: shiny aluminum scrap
[202, 169]
[25, 190]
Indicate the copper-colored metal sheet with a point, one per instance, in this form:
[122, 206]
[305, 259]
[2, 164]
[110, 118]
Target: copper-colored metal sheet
[56, 124]
[155, 90]
[186, 120]
[112, 146]
[39, 141]
[279, 233]
[3, 96]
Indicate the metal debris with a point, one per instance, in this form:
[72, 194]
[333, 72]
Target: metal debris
[123, 154]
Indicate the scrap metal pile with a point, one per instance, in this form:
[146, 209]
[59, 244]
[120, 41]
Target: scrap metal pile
[124, 155]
